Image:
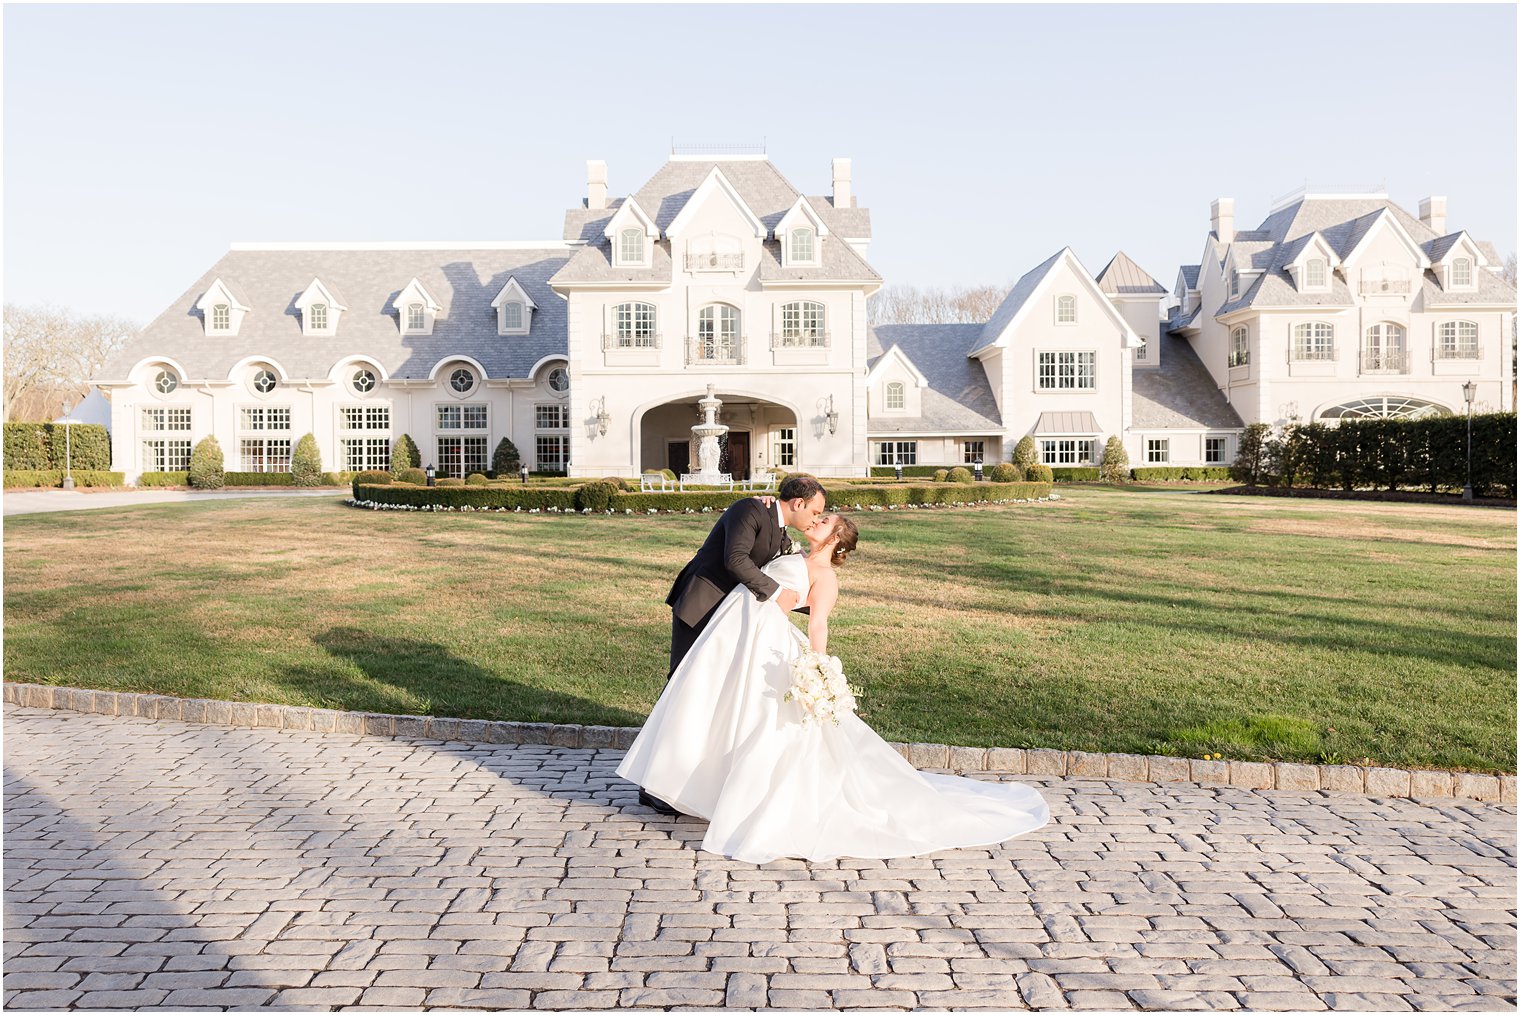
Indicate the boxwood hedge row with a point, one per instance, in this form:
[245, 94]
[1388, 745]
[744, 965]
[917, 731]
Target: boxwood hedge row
[20, 478]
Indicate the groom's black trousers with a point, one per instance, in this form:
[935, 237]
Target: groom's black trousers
[682, 638]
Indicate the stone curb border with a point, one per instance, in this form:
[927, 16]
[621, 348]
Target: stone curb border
[1371, 781]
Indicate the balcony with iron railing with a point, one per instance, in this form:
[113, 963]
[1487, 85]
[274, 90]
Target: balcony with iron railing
[800, 340]
[1385, 287]
[1311, 354]
[1459, 351]
[727, 351]
[635, 340]
[714, 262]
[1385, 361]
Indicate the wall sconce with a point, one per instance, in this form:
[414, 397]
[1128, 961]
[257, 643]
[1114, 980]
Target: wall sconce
[603, 417]
[830, 417]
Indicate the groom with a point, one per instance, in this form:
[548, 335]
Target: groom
[750, 534]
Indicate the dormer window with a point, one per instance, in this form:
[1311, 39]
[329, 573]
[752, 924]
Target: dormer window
[416, 317]
[802, 247]
[631, 246]
[221, 317]
[221, 310]
[416, 309]
[1314, 274]
[1461, 273]
[1066, 310]
[1234, 283]
[317, 312]
[512, 316]
[513, 309]
[897, 397]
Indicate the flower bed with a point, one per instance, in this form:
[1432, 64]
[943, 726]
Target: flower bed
[406, 497]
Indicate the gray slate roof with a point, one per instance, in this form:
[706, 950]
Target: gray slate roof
[1190, 275]
[1180, 392]
[959, 396]
[1123, 277]
[1016, 298]
[464, 282]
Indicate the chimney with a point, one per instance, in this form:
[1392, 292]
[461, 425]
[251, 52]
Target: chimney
[842, 197]
[1433, 214]
[1222, 218]
[596, 184]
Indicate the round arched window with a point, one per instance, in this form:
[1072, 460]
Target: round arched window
[462, 380]
[559, 380]
[165, 382]
[364, 381]
[265, 381]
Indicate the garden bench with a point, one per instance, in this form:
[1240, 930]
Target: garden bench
[654, 482]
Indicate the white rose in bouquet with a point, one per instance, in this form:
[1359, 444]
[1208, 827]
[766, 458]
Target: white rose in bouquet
[819, 686]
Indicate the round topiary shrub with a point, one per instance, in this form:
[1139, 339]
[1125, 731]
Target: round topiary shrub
[404, 454]
[449, 481]
[1115, 467]
[668, 474]
[475, 479]
[413, 475]
[1005, 473]
[1025, 453]
[206, 465]
[306, 463]
[960, 475]
[618, 482]
[505, 459]
[1038, 473]
[595, 497]
[941, 475]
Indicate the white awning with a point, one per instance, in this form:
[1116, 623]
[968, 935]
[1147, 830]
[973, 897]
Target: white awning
[1079, 423]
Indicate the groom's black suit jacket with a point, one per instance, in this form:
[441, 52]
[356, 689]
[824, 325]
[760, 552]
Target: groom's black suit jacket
[746, 538]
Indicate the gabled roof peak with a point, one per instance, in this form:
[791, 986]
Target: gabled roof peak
[1123, 277]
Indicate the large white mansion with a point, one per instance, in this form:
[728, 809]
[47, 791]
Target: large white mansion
[590, 352]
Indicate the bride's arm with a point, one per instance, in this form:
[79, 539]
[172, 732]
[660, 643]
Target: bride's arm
[821, 598]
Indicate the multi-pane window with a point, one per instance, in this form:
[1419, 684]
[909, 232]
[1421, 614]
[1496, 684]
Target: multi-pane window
[784, 447]
[166, 456]
[1461, 272]
[551, 416]
[1234, 283]
[973, 452]
[897, 453]
[221, 317]
[461, 417]
[634, 325]
[1314, 273]
[1213, 450]
[802, 324]
[512, 316]
[364, 381]
[1076, 371]
[264, 454]
[165, 381]
[1158, 450]
[263, 417]
[802, 245]
[1066, 310]
[1240, 347]
[364, 417]
[1143, 353]
[1066, 451]
[318, 314]
[897, 397]
[155, 420]
[360, 453]
[552, 452]
[460, 456]
[1314, 340]
[559, 380]
[1457, 340]
[416, 320]
[718, 331]
[265, 381]
[631, 246]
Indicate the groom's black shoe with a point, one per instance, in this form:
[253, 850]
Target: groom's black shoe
[656, 804]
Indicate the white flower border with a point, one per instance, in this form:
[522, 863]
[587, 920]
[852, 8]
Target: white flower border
[519, 510]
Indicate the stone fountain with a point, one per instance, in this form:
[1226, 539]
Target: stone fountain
[707, 433]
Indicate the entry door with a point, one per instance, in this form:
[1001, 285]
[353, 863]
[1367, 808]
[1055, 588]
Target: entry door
[736, 457]
[679, 457]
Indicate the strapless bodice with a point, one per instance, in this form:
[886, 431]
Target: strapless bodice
[790, 570]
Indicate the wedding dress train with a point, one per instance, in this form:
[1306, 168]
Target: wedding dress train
[723, 745]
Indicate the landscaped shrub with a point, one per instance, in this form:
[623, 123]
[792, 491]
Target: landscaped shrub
[370, 477]
[890, 471]
[206, 465]
[505, 458]
[1025, 453]
[413, 475]
[1039, 473]
[306, 462]
[404, 454]
[940, 475]
[959, 474]
[448, 481]
[163, 479]
[38, 478]
[1003, 472]
[1076, 474]
[617, 481]
[41, 446]
[1115, 465]
[475, 479]
[1251, 456]
[25, 448]
[257, 478]
[595, 497]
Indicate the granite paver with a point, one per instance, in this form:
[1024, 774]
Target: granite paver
[153, 862]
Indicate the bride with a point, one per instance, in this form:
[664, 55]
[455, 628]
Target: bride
[723, 744]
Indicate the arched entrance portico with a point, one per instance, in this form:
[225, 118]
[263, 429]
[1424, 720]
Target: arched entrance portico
[762, 435]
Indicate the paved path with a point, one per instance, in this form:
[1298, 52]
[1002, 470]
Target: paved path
[159, 863]
[28, 502]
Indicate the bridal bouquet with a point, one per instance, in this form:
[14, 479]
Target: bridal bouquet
[820, 687]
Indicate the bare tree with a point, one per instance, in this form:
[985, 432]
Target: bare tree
[51, 354]
[1509, 273]
[906, 304]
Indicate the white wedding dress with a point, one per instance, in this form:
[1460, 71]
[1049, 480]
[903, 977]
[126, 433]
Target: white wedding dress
[723, 745]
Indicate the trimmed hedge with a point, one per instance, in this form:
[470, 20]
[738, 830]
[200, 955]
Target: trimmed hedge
[41, 446]
[890, 472]
[257, 479]
[38, 478]
[1175, 473]
[1076, 474]
[529, 498]
[164, 479]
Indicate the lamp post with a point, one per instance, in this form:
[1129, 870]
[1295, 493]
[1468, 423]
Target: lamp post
[68, 450]
[978, 467]
[1469, 390]
[898, 468]
[523, 472]
[431, 472]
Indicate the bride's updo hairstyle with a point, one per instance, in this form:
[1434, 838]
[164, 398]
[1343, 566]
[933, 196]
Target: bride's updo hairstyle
[847, 534]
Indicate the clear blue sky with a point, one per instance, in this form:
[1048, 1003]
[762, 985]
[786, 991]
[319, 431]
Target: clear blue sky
[140, 141]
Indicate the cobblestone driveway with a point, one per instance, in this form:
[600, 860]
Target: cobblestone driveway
[160, 863]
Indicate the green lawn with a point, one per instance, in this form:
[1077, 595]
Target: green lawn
[1142, 620]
